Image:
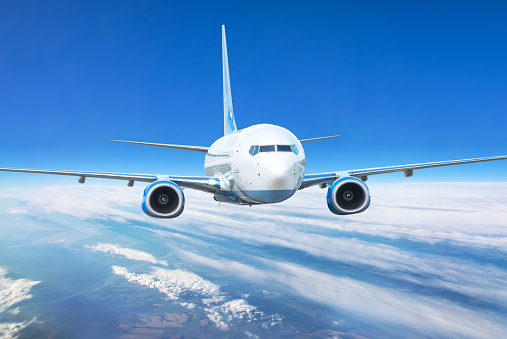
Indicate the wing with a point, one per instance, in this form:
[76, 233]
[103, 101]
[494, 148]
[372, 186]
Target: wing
[321, 138]
[207, 184]
[182, 147]
[326, 178]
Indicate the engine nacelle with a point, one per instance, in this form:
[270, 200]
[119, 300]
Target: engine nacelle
[163, 199]
[348, 195]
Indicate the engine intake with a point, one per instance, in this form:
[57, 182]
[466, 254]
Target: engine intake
[348, 195]
[163, 199]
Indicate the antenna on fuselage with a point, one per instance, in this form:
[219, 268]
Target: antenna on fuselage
[229, 122]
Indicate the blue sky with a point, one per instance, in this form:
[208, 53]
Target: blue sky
[400, 82]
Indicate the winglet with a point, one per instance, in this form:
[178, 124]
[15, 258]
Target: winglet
[229, 122]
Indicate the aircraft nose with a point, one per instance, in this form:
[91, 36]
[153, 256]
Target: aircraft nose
[277, 181]
[280, 175]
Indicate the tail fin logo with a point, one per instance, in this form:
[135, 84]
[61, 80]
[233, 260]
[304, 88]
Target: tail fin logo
[230, 120]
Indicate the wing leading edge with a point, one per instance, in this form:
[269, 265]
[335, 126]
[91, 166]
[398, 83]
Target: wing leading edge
[181, 147]
[326, 178]
[207, 184]
[320, 138]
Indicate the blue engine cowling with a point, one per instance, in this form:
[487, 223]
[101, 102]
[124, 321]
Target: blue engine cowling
[163, 199]
[348, 195]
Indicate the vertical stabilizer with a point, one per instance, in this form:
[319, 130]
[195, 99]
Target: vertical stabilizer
[229, 122]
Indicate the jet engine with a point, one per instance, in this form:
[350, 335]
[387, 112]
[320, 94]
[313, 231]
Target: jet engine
[348, 195]
[163, 199]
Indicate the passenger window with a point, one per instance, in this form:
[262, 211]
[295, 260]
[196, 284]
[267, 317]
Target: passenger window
[254, 150]
[283, 148]
[294, 149]
[268, 148]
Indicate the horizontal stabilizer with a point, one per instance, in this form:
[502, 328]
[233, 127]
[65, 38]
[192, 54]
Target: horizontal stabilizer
[321, 138]
[182, 147]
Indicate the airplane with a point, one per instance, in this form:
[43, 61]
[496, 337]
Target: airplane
[260, 164]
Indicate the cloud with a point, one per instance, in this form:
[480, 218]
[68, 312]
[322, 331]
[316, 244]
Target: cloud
[478, 281]
[127, 253]
[385, 306]
[12, 292]
[16, 211]
[82, 202]
[431, 316]
[245, 271]
[467, 214]
[172, 283]
[14, 311]
[437, 240]
[175, 283]
[11, 330]
[237, 309]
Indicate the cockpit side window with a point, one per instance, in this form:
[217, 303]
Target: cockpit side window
[267, 148]
[254, 150]
[283, 148]
[294, 149]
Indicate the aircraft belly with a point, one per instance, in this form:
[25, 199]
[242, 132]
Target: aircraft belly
[269, 196]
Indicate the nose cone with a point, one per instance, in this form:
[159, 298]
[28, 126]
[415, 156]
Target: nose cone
[278, 175]
[277, 180]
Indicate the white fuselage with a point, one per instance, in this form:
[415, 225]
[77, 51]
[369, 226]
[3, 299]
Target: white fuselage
[256, 165]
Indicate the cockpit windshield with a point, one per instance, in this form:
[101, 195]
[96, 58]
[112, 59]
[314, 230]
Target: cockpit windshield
[268, 148]
[254, 149]
[283, 148]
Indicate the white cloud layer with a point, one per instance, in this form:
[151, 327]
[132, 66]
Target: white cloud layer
[127, 253]
[419, 314]
[82, 202]
[468, 214]
[394, 240]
